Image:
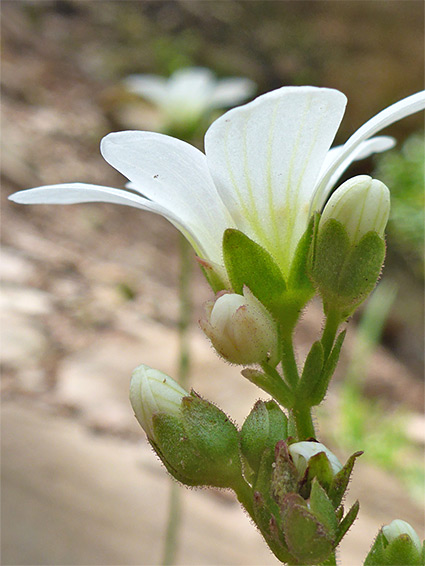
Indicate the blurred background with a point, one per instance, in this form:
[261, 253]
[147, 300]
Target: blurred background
[90, 291]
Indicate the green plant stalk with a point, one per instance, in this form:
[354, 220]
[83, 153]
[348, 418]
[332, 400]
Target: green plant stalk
[174, 509]
[301, 413]
[333, 320]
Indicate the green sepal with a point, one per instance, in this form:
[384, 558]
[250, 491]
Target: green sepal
[269, 528]
[249, 264]
[273, 385]
[298, 273]
[176, 451]
[376, 555]
[346, 522]
[330, 252]
[319, 392]
[361, 271]
[214, 436]
[284, 478]
[311, 373]
[345, 274]
[339, 483]
[322, 508]
[265, 425]
[402, 550]
[320, 468]
[307, 538]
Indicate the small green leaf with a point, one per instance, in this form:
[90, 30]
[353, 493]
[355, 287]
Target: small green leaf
[277, 388]
[249, 264]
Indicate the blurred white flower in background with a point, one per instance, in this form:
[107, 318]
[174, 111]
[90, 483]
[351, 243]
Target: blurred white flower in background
[189, 94]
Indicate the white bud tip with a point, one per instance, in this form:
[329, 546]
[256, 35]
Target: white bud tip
[151, 392]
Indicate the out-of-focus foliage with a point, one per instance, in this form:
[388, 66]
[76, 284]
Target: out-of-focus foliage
[404, 172]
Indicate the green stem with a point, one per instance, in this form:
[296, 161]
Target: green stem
[289, 364]
[303, 422]
[173, 524]
[174, 511]
[333, 320]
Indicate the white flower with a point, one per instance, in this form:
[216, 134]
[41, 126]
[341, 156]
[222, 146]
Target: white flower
[152, 392]
[267, 167]
[188, 94]
[397, 528]
[361, 204]
[240, 328]
[301, 453]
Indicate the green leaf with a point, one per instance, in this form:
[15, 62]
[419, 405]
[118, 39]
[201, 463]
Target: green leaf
[311, 373]
[322, 383]
[322, 508]
[249, 264]
[277, 388]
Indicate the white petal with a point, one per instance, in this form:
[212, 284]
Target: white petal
[175, 176]
[265, 158]
[74, 193]
[151, 87]
[231, 91]
[392, 114]
[363, 150]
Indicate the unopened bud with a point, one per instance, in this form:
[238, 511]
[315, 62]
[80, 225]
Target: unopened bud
[349, 249]
[397, 528]
[301, 453]
[153, 392]
[240, 328]
[361, 204]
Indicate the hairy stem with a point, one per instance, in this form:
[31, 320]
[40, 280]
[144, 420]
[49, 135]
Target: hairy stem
[174, 510]
[333, 320]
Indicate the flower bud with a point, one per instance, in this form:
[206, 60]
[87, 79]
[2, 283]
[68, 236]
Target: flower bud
[361, 204]
[397, 528]
[152, 392]
[349, 248]
[396, 543]
[301, 453]
[240, 328]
